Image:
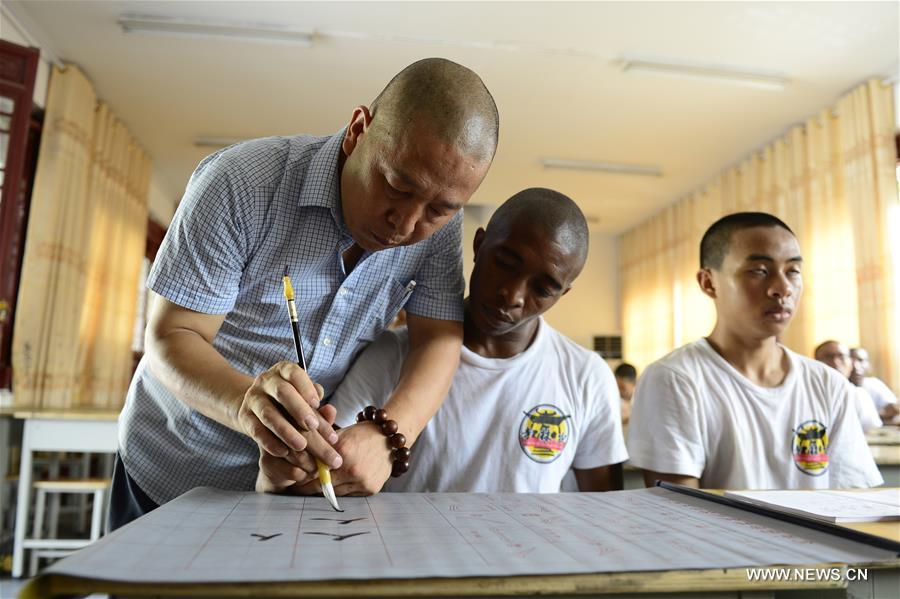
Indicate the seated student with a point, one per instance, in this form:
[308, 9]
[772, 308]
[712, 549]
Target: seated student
[738, 410]
[526, 403]
[835, 354]
[882, 397]
[626, 378]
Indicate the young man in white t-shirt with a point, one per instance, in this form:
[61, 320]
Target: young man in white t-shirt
[526, 404]
[880, 394]
[738, 410]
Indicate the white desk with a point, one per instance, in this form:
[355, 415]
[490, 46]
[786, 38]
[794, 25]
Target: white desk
[881, 582]
[44, 430]
[885, 445]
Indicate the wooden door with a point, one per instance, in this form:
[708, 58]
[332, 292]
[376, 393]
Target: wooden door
[18, 66]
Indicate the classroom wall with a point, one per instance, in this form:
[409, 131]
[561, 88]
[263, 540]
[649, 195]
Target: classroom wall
[160, 205]
[897, 104]
[474, 216]
[11, 33]
[592, 306]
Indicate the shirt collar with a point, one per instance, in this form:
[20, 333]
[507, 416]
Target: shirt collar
[322, 183]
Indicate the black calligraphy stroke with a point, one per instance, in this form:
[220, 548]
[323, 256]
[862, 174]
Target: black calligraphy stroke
[264, 537]
[337, 537]
[338, 520]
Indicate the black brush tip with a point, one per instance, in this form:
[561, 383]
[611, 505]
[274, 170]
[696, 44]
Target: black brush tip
[285, 271]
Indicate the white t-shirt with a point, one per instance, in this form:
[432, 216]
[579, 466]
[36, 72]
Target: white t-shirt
[695, 415]
[507, 425]
[880, 393]
[865, 410]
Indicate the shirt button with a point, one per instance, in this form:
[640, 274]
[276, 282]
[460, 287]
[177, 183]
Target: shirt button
[342, 291]
[326, 341]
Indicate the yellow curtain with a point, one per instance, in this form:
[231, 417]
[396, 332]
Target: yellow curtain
[868, 154]
[832, 180]
[83, 250]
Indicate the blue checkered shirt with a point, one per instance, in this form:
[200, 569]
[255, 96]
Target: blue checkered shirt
[248, 211]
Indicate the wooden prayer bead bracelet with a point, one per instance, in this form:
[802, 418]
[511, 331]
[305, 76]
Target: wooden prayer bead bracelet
[400, 452]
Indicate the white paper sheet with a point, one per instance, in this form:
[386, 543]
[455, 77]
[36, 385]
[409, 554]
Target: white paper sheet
[207, 535]
[830, 506]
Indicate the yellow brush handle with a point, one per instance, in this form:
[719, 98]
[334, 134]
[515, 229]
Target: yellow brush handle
[324, 473]
[288, 288]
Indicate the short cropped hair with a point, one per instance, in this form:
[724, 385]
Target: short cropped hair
[626, 371]
[453, 99]
[715, 243]
[821, 347]
[551, 211]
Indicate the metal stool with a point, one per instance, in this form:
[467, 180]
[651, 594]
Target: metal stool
[51, 547]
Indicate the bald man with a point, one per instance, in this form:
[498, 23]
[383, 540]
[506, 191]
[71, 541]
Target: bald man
[527, 404]
[837, 355]
[366, 222]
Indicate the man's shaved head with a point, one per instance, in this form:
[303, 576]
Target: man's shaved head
[716, 241]
[555, 214]
[835, 354]
[447, 95]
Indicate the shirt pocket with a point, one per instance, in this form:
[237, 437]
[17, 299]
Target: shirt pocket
[387, 305]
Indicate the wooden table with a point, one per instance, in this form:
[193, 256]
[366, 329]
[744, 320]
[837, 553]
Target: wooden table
[681, 584]
[884, 443]
[88, 431]
[886, 435]
[883, 582]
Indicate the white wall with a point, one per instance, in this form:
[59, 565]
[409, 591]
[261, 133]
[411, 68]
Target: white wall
[474, 216]
[159, 204]
[161, 207]
[592, 306]
[897, 104]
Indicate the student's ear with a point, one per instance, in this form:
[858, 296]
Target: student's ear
[707, 284]
[359, 124]
[479, 239]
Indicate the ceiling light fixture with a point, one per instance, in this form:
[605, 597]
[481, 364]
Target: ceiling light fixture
[719, 73]
[223, 30]
[606, 167]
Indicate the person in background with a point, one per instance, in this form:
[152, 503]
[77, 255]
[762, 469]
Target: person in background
[737, 409]
[626, 379]
[835, 354]
[884, 399]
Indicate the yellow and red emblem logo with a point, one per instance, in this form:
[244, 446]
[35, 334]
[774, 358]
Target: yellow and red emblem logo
[543, 433]
[810, 447]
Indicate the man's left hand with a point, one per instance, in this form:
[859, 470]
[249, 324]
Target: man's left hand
[367, 462]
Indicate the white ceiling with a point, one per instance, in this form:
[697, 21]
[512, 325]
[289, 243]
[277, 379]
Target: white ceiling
[552, 67]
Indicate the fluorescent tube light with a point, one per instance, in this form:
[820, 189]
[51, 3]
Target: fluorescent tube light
[189, 28]
[707, 72]
[606, 167]
[216, 142]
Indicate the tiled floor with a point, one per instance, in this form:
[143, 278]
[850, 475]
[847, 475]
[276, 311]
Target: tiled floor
[10, 587]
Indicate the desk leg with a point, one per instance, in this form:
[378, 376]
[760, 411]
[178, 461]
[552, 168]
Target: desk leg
[22, 503]
[5, 441]
[55, 498]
